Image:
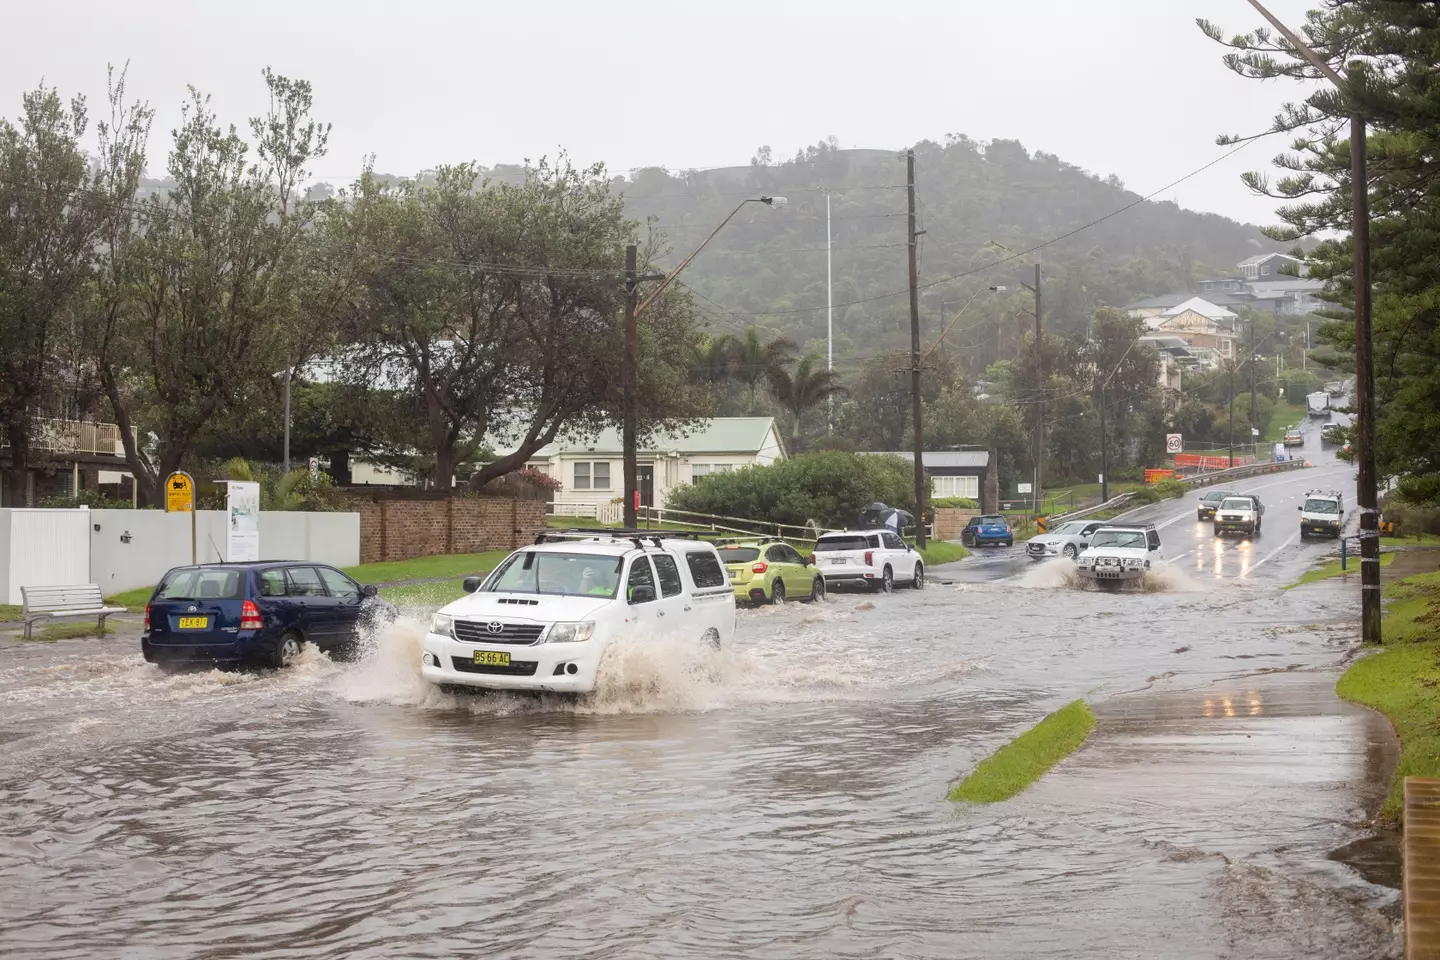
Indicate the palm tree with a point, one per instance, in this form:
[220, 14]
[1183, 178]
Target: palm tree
[804, 389]
[714, 362]
[756, 362]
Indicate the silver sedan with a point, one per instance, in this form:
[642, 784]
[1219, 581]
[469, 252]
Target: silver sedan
[1066, 540]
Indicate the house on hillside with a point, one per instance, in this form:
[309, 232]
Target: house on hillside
[952, 473]
[68, 458]
[1259, 286]
[1266, 265]
[1209, 331]
[1175, 358]
[591, 472]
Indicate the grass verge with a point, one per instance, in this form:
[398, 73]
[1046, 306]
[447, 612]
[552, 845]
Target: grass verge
[1402, 680]
[131, 600]
[10, 613]
[1282, 416]
[69, 631]
[1332, 569]
[1022, 761]
[937, 552]
[1419, 540]
[427, 568]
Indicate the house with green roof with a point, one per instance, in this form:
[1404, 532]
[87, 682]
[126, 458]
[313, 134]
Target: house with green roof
[591, 471]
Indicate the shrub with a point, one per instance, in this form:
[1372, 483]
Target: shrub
[1411, 519]
[93, 499]
[964, 503]
[1170, 489]
[1145, 495]
[829, 487]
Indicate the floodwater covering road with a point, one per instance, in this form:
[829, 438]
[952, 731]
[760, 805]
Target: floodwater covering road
[784, 798]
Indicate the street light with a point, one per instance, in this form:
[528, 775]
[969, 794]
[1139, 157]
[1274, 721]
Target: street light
[630, 368]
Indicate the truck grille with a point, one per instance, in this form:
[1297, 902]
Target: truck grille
[517, 668]
[480, 631]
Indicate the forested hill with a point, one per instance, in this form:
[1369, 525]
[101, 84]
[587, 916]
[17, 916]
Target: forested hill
[768, 265]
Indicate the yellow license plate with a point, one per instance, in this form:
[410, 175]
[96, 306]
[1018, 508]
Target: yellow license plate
[491, 658]
[194, 623]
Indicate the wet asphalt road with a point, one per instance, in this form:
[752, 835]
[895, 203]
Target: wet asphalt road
[785, 798]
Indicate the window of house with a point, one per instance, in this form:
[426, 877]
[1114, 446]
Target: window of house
[1265, 271]
[592, 475]
[698, 470]
[957, 487]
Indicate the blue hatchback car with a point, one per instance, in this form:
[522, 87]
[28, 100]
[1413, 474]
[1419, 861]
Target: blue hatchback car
[988, 529]
[255, 613]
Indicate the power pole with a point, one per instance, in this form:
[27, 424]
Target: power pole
[628, 378]
[1040, 407]
[1365, 493]
[829, 322]
[1104, 452]
[1252, 358]
[1232, 411]
[915, 356]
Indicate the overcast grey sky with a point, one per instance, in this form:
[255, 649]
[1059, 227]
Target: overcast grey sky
[1129, 87]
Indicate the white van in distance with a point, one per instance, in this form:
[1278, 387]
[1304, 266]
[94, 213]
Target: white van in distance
[545, 617]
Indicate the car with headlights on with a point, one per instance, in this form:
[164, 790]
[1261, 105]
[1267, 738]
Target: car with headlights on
[1120, 553]
[1066, 540]
[1209, 502]
[545, 617]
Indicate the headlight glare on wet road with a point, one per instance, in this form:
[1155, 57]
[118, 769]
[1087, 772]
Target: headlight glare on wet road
[443, 625]
[571, 632]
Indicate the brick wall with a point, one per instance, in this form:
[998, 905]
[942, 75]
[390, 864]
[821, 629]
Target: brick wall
[404, 529]
[949, 521]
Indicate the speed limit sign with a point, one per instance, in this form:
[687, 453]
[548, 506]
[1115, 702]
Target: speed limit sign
[1173, 443]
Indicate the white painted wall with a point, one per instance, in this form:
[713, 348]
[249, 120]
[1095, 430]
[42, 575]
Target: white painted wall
[159, 541]
[42, 548]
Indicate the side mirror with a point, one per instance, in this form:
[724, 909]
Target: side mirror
[369, 590]
[470, 584]
[1301, 509]
[642, 594]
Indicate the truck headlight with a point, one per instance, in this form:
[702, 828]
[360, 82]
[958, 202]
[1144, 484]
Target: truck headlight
[443, 625]
[571, 632]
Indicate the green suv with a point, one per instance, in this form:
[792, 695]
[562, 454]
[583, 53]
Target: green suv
[770, 571]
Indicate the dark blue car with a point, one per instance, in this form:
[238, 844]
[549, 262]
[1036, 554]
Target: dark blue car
[988, 529]
[255, 613]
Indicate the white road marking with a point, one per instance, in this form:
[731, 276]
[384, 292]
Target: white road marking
[1289, 479]
[1270, 556]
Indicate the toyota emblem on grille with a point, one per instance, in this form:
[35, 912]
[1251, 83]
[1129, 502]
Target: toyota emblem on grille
[190, 610]
[495, 626]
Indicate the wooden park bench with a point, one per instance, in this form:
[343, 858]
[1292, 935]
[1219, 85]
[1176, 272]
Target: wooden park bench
[54, 603]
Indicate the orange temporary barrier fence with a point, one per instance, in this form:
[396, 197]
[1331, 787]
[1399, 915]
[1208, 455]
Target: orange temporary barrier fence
[1156, 474]
[1203, 461]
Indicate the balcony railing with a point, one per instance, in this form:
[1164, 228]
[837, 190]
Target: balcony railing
[76, 436]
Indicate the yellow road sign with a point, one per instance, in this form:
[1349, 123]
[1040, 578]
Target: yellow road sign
[1042, 524]
[179, 493]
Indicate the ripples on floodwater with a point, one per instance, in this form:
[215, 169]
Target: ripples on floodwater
[782, 798]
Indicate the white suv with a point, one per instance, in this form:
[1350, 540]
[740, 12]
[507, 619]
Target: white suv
[1120, 553]
[877, 558]
[544, 618]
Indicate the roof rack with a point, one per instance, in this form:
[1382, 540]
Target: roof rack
[637, 537]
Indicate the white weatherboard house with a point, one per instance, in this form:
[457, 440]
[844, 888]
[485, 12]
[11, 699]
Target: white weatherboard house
[592, 473]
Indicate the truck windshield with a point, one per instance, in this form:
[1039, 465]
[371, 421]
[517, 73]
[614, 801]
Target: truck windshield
[1321, 506]
[1237, 503]
[1119, 538]
[566, 574]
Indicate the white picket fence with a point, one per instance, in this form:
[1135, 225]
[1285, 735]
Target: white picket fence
[606, 512]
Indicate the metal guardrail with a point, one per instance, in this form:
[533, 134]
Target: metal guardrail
[1199, 480]
[1240, 473]
[1116, 501]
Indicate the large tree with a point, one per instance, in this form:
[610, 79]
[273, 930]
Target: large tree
[55, 207]
[495, 306]
[200, 302]
[1396, 88]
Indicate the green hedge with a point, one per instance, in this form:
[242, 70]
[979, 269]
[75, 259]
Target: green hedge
[829, 487]
[964, 503]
